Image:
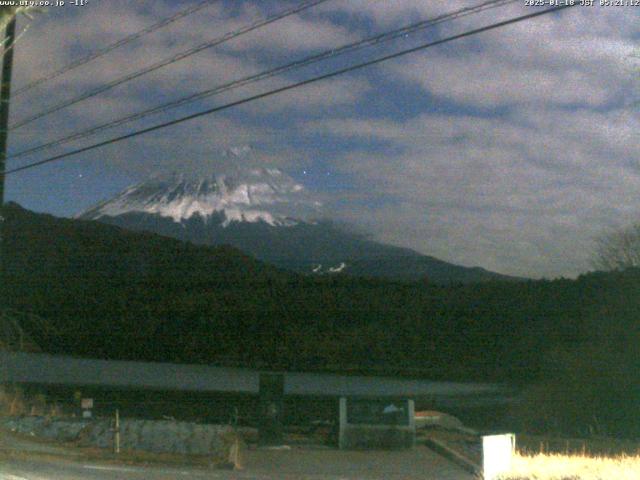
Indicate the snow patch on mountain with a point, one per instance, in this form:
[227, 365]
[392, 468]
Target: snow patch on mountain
[319, 269]
[337, 269]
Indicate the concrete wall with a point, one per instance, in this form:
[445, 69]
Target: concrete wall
[376, 437]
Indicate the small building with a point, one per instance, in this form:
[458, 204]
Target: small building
[367, 422]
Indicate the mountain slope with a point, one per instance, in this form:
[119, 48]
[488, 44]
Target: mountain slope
[266, 214]
[110, 293]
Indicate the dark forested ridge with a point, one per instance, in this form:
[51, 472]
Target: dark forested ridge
[304, 247]
[111, 293]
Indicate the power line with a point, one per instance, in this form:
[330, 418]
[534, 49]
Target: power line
[103, 51]
[168, 61]
[330, 53]
[290, 87]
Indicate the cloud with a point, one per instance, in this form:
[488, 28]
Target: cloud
[546, 60]
[523, 191]
[56, 37]
[321, 96]
[385, 13]
[485, 191]
[296, 34]
[509, 150]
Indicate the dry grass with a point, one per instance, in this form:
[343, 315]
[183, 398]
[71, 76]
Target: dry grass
[595, 446]
[14, 401]
[573, 467]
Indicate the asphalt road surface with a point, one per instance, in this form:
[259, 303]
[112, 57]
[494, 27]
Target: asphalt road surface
[297, 463]
[23, 458]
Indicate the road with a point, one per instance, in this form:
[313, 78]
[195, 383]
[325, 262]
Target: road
[298, 463]
[25, 458]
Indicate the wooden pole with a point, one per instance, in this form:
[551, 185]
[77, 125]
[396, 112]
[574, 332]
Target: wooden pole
[5, 95]
[116, 433]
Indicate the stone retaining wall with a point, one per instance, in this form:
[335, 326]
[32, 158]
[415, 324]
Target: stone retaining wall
[147, 435]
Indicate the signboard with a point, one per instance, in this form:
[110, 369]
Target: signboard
[497, 454]
[86, 403]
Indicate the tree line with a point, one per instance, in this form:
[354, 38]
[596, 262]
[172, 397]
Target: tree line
[109, 293]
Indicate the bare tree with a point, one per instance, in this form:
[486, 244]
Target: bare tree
[619, 249]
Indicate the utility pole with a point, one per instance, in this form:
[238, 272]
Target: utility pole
[5, 96]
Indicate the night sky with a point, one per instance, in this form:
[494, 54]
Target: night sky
[511, 150]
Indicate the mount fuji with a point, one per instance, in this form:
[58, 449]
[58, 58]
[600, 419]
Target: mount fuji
[267, 214]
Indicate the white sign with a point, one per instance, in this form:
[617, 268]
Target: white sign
[497, 454]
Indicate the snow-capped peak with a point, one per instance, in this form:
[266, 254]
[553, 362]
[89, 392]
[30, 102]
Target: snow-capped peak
[240, 195]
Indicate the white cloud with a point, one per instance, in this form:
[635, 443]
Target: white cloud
[487, 191]
[386, 13]
[294, 34]
[547, 161]
[544, 61]
[54, 39]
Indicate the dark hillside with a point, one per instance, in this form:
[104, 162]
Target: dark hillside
[111, 293]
